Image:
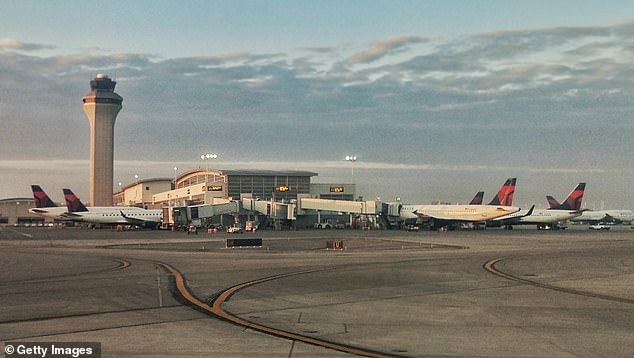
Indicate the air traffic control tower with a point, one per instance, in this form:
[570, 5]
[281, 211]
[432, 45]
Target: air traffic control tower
[101, 105]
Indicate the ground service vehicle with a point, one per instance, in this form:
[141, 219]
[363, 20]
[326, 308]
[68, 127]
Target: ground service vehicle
[599, 227]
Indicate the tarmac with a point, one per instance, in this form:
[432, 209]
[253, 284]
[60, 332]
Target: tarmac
[492, 293]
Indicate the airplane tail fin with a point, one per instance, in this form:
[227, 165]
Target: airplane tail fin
[574, 199]
[73, 203]
[552, 202]
[477, 199]
[504, 197]
[41, 199]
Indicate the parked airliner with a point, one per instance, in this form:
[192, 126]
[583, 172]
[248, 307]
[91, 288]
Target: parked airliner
[546, 218]
[443, 215]
[44, 206]
[110, 214]
[605, 217]
[594, 216]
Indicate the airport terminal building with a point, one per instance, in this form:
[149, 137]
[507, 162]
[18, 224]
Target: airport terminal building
[201, 187]
[15, 211]
[208, 186]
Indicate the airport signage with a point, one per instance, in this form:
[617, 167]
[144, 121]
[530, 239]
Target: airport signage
[336, 189]
[214, 188]
[282, 188]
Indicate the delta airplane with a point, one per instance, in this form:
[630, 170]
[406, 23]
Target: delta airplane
[44, 206]
[595, 216]
[452, 214]
[109, 215]
[605, 217]
[546, 218]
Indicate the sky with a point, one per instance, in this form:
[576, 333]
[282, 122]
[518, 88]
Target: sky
[437, 99]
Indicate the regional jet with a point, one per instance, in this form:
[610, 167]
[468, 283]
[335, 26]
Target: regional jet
[546, 218]
[44, 206]
[605, 217]
[110, 215]
[592, 216]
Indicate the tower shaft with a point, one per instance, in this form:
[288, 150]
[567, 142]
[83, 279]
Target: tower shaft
[101, 106]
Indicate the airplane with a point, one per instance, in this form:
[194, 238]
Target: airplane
[110, 215]
[595, 216]
[44, 206]
[546, 218]
[450, 215]
[605, 217]
[573, 202]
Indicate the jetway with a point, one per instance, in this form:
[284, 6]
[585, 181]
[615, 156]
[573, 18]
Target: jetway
[391, 209]
[273, 210]
[197, 214]
[344, 206]
[209, 210]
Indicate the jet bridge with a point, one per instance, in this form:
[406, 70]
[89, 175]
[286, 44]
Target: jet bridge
[198, 214]
[343, 206]
[274, 210]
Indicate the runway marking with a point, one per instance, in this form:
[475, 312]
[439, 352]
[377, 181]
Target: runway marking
[20, 233]
[490, 266]
[215, 309]
[123, 264]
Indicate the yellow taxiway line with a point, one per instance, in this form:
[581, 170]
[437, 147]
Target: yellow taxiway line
[216, 310]
[490, 266]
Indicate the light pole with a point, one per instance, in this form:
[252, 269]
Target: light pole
[351, 159]
[121, 200]
[207, 157]
[175, 169]
[136, 190]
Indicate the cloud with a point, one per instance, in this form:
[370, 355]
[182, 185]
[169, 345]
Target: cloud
[381, 48]
[451, 102]
[14, 45]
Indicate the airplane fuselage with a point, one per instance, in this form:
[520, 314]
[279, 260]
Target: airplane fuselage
[56, 212]
[474, 213]
[117, 215]
[543, 216]
[619, 216]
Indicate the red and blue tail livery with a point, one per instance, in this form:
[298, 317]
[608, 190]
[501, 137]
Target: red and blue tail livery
[477, 199]
[572, 202]
[41, 199]
[504, 197]
[73, 204]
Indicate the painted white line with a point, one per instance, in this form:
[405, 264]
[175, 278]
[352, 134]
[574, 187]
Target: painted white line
[21, 233]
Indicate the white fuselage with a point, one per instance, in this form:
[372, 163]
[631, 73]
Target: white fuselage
[475, 213]
[113, 215]
[625, 216]
[56, 212]
[540, 216]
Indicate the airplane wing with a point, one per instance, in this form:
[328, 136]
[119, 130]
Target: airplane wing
[133, 221]
[611, 219]
[514, 218]
[138, 222]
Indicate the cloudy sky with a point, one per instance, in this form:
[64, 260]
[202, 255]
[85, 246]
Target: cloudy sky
[437, 99]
